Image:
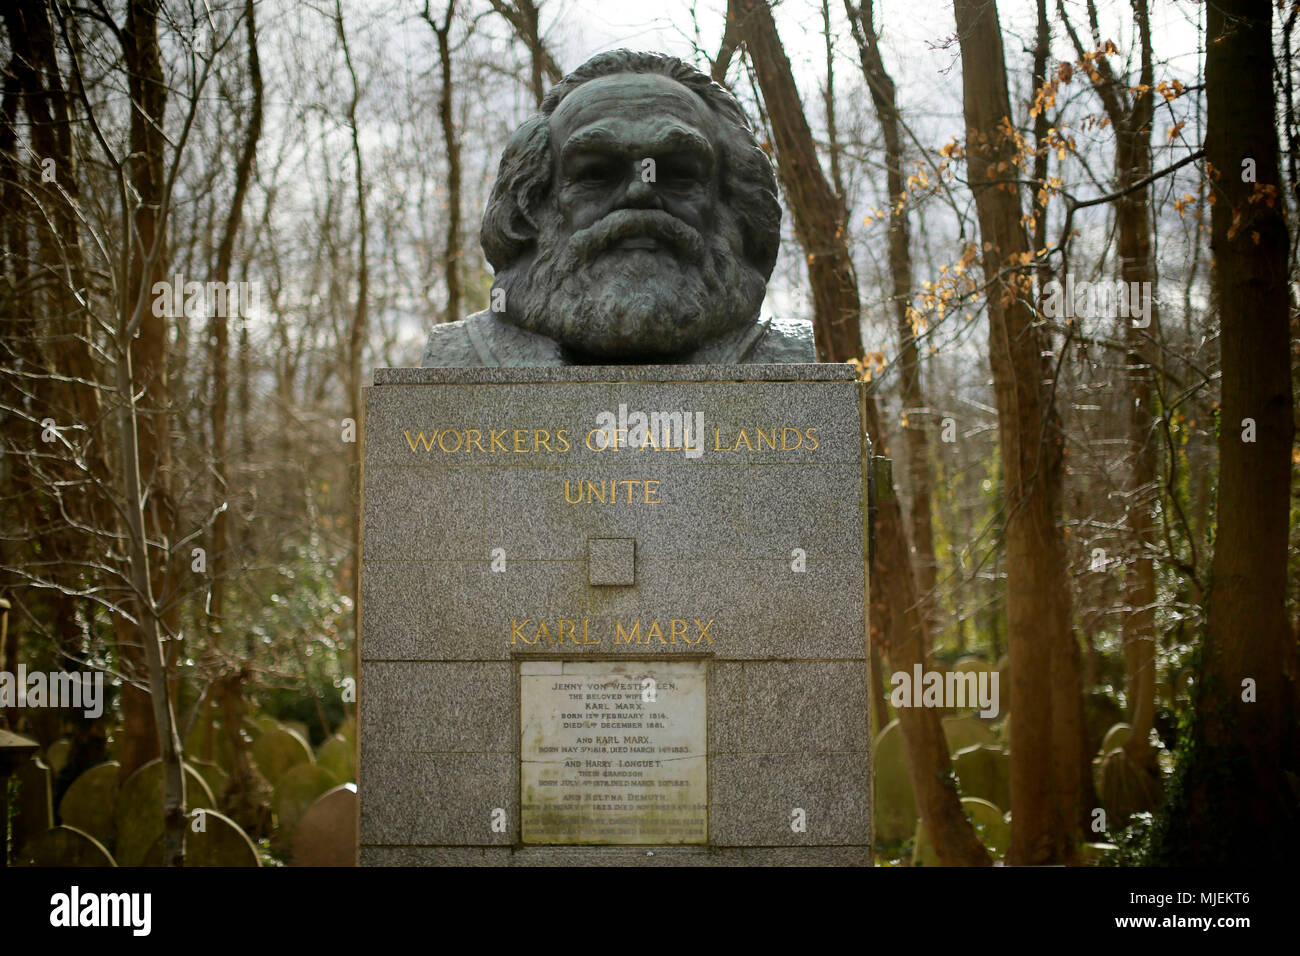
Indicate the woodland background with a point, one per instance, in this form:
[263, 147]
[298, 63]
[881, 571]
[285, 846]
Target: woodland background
[1102, 512]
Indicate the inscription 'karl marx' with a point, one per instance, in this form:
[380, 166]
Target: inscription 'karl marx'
[579, 631]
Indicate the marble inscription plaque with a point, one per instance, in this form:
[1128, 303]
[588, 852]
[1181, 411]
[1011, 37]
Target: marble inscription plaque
[613, 752]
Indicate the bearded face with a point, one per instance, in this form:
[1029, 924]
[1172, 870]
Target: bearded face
[635, 258]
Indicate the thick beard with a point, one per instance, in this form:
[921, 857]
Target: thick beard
[607, 303]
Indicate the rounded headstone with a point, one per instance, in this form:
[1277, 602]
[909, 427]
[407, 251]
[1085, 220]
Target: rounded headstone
[139, 814]
[213, 775]
[196, 744]
[966, 731]
[1125, 787]
[219, 842]
[990, 826]
[1100, 713]
[990, 823]
[348, 730]
[266, 724]
[34, 805]
[1117, 736]
[90, 802]
[336, 755]
[297, 790]
[894, 806]
[984, 772]
[278, 751]
[56, 755]
[63, 846]
[298, 727]
[327, 832]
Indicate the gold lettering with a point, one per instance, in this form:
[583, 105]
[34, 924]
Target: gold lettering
[474, 437]
[562, 435]
[675, 630]
[585, 622]
[704, 630]
[648, 499]
[541, 439]
[601, 432]
[497, 435]
[741, 436]
[518, 432]
[629, 482]
[442, 439]
[572, 501]
[770, 439]
[516, 633]
[655, 631]
[591, 491]
[543, 631]
[566, 630]
[797, 434]
[813, 443]
[419, 438]
[717, 439]
[628, 637]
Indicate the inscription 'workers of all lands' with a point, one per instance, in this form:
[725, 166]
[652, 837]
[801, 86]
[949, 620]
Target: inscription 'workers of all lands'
[532, 441]
[613, 752]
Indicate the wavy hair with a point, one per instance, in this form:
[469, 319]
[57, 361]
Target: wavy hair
[511, 221]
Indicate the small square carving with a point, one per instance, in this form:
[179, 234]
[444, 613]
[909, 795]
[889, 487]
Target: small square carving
[611, 561]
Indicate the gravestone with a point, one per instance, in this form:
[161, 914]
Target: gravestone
[586, 640]
[326, 834]
[90, 803]
[63, 846]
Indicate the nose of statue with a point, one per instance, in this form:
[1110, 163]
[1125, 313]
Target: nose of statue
[641, 195]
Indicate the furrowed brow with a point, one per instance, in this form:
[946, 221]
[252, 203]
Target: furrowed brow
[674, 139]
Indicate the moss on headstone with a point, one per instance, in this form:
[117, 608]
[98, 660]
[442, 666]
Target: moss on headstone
[1125, 787]
[1117, 736]
[139, 813]
[327, 833]
[338, 756]
[56, 755]
[62, 846]
[34, 806]
[894, 805]
[278, 751]
[985, 772]
[213, 775]
[212, 839]
[990, 826]
[297, 790]
[90, 803]
[966, 731]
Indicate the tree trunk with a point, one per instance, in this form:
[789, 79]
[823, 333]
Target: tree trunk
[149, 726]
[1234, 804]
[836, 331]
[1131, 119]
[356, 344]
[230, 687]
[447, 119]
[916, 440]
[1046, 702]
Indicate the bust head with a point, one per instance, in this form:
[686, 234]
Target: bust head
[634, 218]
